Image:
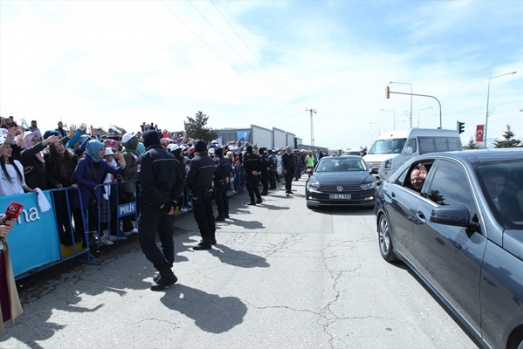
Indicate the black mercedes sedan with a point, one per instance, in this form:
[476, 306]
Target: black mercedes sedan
[340, 180]
[456, 219]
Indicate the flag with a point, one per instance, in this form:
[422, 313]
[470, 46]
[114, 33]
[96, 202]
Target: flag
[480, 131]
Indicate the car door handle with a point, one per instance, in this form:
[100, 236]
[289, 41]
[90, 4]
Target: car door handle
[393, 194]
[421, 216]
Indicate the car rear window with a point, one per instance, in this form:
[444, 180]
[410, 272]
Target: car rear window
[438, 144]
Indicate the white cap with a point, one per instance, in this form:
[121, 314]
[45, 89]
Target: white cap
[109, 151]
[3, 132]
[126, 137]
[172, 147]
[2, 140]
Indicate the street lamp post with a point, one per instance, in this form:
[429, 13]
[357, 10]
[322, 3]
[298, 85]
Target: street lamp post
[486, 113]
[312, 111]
[421, 110]
[379, 127]
[394, 116]
[406, 83]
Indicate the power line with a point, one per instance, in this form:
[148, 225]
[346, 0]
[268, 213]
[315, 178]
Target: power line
[212, 48]
[251, 51]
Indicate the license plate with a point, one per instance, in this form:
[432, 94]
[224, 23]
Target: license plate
[339, 196]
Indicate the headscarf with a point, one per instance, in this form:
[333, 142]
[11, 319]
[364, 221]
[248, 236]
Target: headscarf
[28, 143]
[131, 145]
[140, 148]
[93, 148]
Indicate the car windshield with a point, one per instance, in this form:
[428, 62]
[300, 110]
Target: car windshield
[503, 188]
[387, 146]
[341, 164]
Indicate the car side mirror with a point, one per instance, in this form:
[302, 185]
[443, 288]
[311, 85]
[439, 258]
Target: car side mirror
[408, 151]
[455, 215]
[374, 170]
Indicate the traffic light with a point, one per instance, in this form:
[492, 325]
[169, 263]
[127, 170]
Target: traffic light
[461, 127]
[387, 92]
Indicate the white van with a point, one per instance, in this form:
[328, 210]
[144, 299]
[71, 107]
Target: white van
[393, 148]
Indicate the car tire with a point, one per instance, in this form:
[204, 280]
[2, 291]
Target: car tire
[385, 239]
[516, 341]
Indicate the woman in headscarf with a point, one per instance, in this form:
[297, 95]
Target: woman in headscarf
[88, 174]
[129, 175]
[33, 159]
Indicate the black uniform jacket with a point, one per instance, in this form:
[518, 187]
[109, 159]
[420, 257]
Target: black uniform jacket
[201, 172]
[159, 176]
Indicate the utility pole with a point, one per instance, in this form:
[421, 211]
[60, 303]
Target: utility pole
[312, 111]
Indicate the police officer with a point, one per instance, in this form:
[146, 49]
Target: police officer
[273, 172]
[199, 183]
[265, 170]
[161, 184]
[287, 161]
[222, 172]
[252, 166]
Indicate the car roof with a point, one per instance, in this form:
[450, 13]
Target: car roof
[482, 155]
[341, 157]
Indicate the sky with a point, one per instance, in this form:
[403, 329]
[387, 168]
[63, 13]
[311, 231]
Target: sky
[265, 63]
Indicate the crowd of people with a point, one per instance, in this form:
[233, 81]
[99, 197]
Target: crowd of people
[81, 165]
[162, 171]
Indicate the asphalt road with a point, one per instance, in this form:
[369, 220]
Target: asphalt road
[281, 276]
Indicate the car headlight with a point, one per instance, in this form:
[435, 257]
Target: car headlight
[367, 186]
[313, 184]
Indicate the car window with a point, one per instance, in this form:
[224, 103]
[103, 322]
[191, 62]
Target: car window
[450, 185]
[341, 164]
[438, 144]
[503, 188]
[405, 179]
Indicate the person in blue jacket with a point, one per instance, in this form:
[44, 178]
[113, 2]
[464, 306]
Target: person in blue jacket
[88, 174]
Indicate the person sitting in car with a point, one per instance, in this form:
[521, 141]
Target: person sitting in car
[417, 177]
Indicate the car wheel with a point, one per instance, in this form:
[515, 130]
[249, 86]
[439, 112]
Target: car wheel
[385, 239]
[516, 341]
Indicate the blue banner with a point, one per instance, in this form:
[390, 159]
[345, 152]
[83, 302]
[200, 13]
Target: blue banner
[33, 241]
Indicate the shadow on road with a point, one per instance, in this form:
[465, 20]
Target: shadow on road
[207, 310]
[238, 258]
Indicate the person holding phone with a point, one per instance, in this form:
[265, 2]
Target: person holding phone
[9, 301]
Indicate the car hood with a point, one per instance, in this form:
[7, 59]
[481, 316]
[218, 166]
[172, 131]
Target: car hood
[356, 177]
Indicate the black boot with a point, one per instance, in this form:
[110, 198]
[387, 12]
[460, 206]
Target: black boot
[203, 245]
[165, 279]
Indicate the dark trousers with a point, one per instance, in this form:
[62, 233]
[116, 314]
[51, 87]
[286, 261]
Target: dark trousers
[151, 221]
[288, 181]
[127, 220]
[63, 215]
[272, 179]
[222, 202]
[202, 209]
[265, 181]
[252, 187]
